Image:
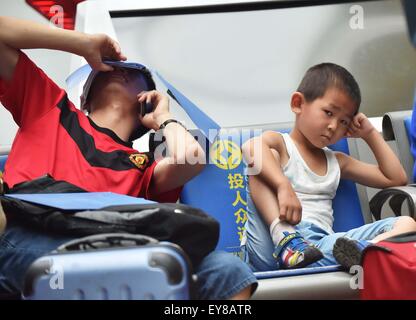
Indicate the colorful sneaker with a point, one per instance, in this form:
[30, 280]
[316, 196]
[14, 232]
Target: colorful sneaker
[293, 251]
[348, 252]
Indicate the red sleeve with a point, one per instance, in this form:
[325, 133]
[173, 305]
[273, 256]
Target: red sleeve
[168, 196]
[30, 93]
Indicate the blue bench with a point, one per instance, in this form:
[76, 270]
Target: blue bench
[220, 191]
[2, 162]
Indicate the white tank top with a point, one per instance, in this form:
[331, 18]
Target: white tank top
[314, 192]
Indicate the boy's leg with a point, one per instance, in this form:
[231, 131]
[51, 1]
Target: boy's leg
[257, 245]
[402, 225]
[290, 250]
[264, 200]
[348, 249]
[322, 240]
[221, 275]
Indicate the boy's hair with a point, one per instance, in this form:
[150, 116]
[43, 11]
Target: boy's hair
[324, 76]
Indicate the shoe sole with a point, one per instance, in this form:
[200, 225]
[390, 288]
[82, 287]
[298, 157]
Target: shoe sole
[347, 253]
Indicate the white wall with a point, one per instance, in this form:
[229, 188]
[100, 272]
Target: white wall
[196, 51]
[242, 67]
[54, 63]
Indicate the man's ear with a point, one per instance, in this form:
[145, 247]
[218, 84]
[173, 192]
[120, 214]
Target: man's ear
[86, 108]
[296, 102]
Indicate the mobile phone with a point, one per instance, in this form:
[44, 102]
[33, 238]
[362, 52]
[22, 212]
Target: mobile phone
[145, 107]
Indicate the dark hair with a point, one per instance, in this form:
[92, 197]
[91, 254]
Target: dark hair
[323, 76]
[148, 79]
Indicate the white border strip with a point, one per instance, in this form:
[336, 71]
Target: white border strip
[162, 4]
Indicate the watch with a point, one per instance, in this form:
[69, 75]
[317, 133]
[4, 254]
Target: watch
[166, 122]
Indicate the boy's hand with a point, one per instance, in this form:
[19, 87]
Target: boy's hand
[360, 127]
[290, 209]
[101, 47]
[160, 112]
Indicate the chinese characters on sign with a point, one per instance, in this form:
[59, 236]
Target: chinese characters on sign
[226, 155]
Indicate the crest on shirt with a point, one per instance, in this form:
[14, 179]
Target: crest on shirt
[140, 160]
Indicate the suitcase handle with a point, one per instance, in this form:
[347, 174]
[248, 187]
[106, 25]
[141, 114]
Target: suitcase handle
[106, 240]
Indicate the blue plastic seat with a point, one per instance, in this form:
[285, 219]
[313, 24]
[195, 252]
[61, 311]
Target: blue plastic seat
[407, 124]
[220, 190]
[2, 162]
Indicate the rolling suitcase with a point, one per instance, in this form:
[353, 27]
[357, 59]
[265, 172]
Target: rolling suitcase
[110, 267]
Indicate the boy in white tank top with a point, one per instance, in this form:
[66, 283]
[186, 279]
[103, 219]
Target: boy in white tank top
[290, 200]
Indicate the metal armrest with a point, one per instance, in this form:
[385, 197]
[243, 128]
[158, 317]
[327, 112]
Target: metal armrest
[396, 197]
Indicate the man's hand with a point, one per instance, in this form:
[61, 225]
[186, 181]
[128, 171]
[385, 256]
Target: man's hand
[160, 112]
[360, 127]
[184, 158]
[101, 47]
[290, 209]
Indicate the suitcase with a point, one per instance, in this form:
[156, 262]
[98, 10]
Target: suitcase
[110, 267]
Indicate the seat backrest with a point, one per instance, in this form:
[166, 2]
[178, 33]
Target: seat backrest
[411, 143]
[397, 126]
[411, 136]
[407, 125]
[2, 162]
[220, 189]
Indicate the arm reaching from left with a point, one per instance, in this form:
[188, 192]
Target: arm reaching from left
[16, 34]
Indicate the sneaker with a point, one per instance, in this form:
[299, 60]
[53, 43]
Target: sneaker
[349, 252]
[293, 251]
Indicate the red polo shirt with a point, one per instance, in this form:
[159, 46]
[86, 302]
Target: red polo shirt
[56, 138]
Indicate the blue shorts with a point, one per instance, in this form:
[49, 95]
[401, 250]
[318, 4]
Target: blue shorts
[220, 275]
[259, 247]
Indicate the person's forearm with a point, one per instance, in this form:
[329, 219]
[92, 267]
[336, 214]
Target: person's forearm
[181, 145]
[260, 160]
[23, 34]
[387, 161]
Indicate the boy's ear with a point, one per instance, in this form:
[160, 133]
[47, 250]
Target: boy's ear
[296, 102]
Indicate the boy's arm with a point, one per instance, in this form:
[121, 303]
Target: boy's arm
[387, 173]
[258, 154]
[263, 161]
[18, 34]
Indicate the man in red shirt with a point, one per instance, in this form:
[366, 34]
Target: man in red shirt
[93, 152]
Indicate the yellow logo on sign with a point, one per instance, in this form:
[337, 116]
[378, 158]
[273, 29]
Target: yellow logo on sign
[226, 154]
